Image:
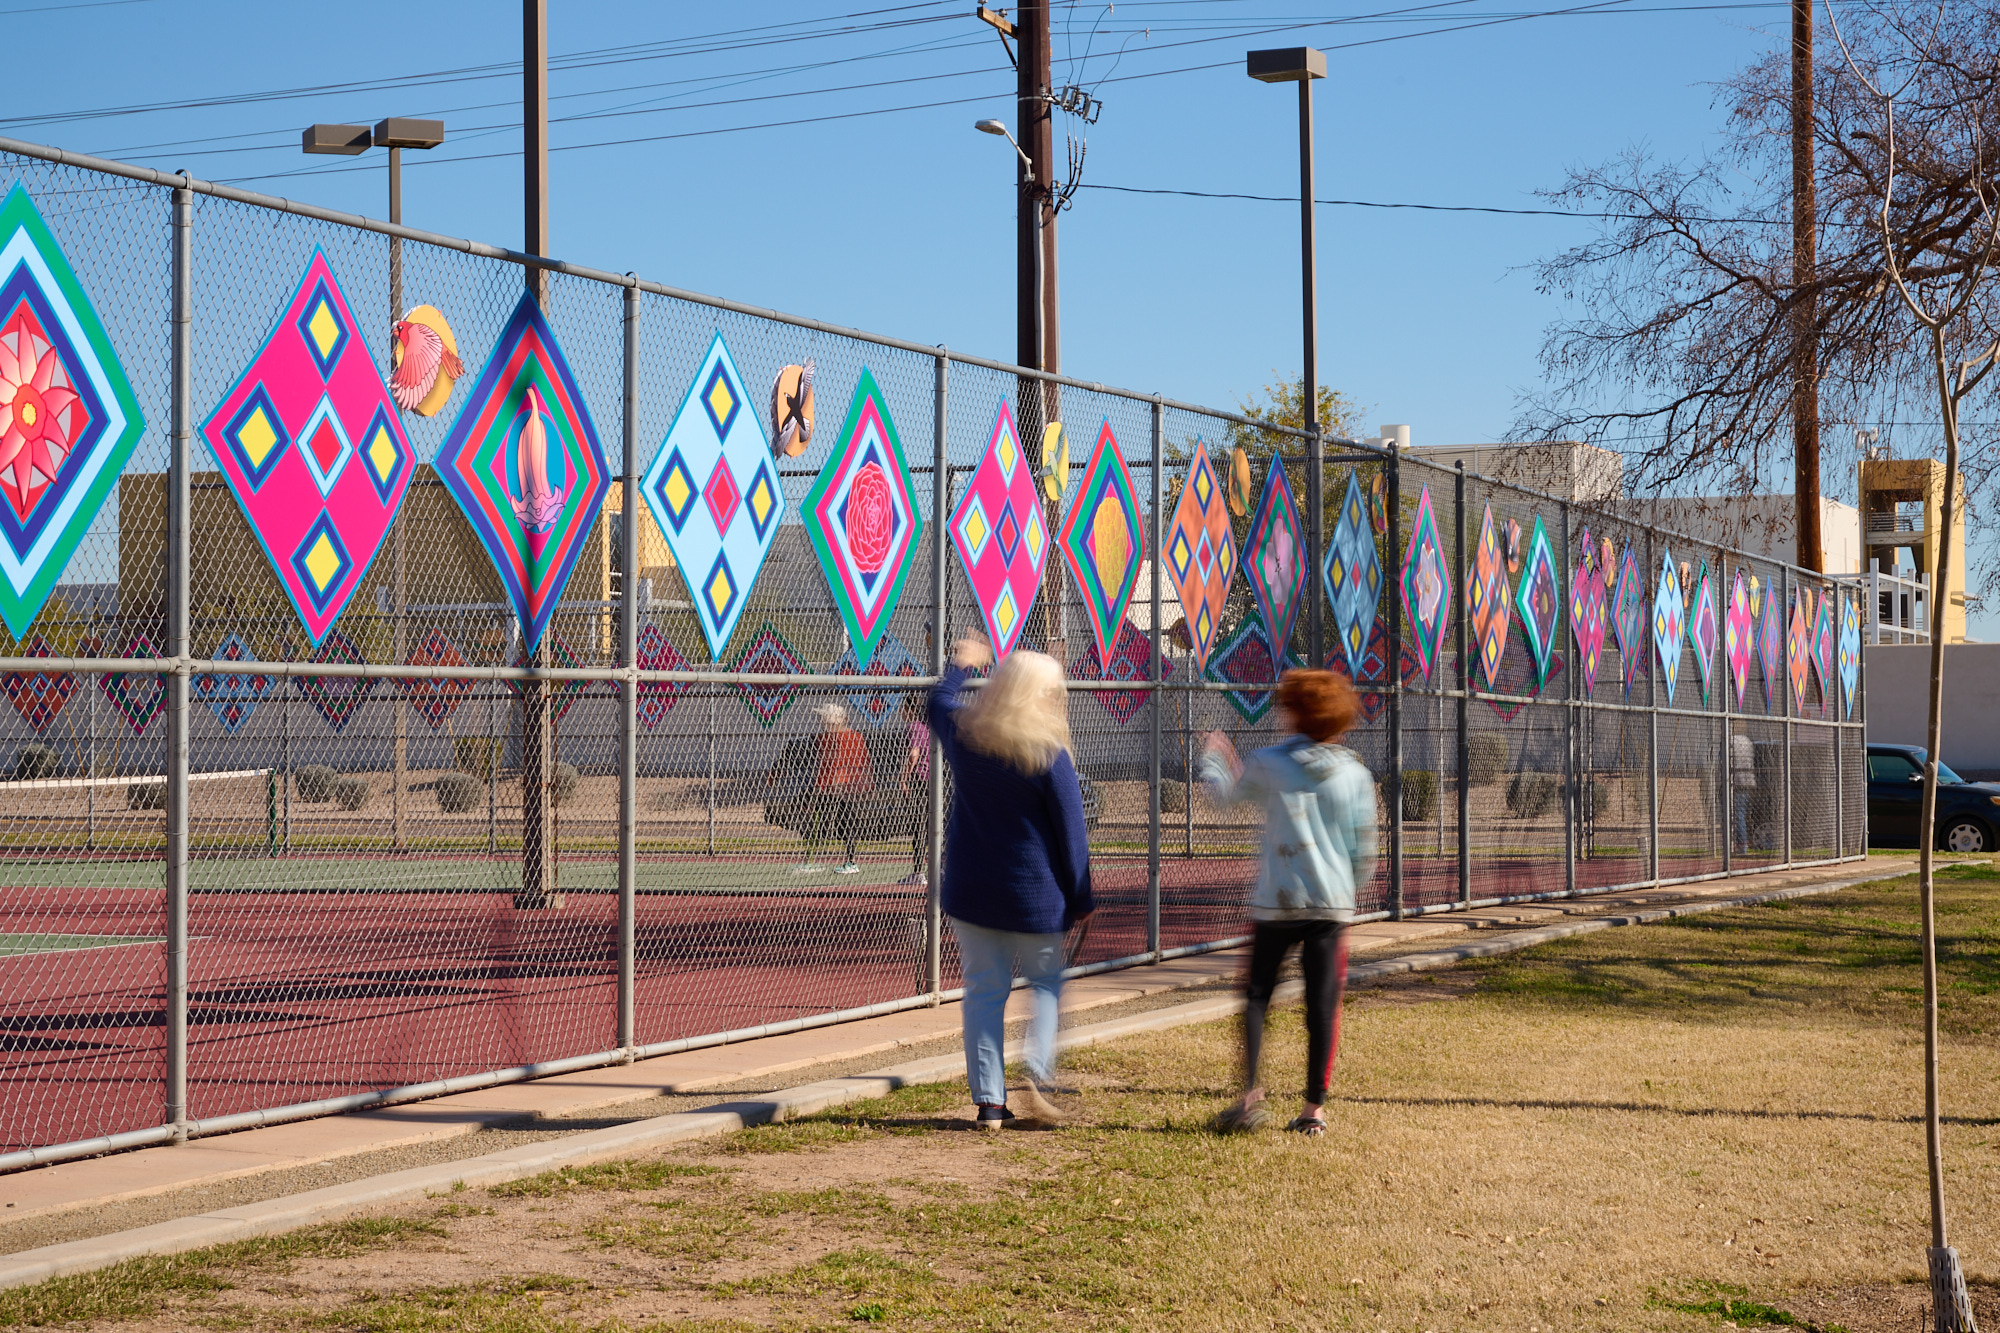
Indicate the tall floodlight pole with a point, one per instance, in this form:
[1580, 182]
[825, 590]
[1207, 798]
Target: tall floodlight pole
[538, 761]
[395, 134]
[1301, 65]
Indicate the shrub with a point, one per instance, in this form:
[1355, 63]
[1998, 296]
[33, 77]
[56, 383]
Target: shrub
[146, 796]
[459, 792]
[563, 785]
[1598, 801]
[1485, 757]
[1531, 794]
[1173, 797]
[348, 792]
[1420, 794]
[314, 783]
[477, 755]
[36, 762]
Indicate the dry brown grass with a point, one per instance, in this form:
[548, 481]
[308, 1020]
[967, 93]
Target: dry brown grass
[1641, 1129]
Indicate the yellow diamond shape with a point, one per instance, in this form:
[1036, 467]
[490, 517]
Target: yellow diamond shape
[975, 530]
[1201, 486]
[323, 563]
[257, 438]
[1004, 613]
[1035, 535]
[719, 588]
[677, 490]
[1007, 452]
[325, 329]
[760, 501]
[720, 399]
[382, 453]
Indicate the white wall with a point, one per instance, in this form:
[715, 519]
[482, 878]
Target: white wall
[1898, 688]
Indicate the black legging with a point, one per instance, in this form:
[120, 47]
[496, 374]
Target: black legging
[1323, 956]
[834, 816]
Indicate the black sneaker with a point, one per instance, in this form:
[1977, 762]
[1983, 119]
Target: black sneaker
[993, 1117]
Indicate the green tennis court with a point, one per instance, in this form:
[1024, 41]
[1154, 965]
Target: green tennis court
[12, 946]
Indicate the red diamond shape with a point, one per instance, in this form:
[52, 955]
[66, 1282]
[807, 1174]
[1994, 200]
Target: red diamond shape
[325, 446]
[722, 496]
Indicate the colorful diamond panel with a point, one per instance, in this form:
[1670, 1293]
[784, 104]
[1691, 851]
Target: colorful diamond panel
[1669, 622]
[1352, 573]
[769, 653]
[1587, 613]
[1131, 659]
[715, 492]
[1274, 554]
[1101, 541]
[1246, 657]
[1541, 600]
[312, 447]
[1739, 632]
[1489, 600]
[38, 696]
[875, 706]
[1426, 587]
[658, 697]
[232, 698]
[861, 516]
[998, 531]
[1200, 554]
[436, 698]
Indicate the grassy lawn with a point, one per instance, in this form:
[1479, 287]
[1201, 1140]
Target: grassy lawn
[1695, 1125]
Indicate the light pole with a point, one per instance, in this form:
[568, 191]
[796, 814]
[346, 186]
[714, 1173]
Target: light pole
[1301, 65]
[394, 134]
[1027, 179]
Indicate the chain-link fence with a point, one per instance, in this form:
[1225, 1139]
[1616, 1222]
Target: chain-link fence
[300, 819]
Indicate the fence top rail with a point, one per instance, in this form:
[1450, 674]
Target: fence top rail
[182, 180]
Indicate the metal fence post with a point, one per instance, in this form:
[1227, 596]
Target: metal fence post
[628, 693]
[1789, 702]
[1839, 748]
[179, 648]
[1728, 777]
[1572, 804]
[1652, 740]
[1395, 778]
[1153, 740]
[1316, 551]
[1464, 707]
[940, 627]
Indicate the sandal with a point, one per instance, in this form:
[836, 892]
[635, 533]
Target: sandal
[1311, 1126]
[1242, 1119]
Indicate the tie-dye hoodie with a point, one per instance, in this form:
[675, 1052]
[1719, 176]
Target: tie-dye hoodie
[1319, 826]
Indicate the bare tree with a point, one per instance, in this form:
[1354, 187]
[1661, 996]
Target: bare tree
[1939, 283]
[1683, 349]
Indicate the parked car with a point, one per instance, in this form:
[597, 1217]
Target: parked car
[1968, 813]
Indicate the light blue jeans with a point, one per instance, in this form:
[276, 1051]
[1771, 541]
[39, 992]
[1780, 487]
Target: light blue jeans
[987, 959]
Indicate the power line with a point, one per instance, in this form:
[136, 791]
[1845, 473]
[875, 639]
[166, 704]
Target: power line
[1428, 208]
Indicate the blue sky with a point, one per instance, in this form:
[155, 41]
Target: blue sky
[902, 222]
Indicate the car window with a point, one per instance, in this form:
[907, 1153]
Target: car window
[1890, 768]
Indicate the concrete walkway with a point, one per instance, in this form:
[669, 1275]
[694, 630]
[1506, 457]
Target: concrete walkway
[161, 1170]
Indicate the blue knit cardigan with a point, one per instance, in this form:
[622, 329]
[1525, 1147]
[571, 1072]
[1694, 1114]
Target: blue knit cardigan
[1017, 851]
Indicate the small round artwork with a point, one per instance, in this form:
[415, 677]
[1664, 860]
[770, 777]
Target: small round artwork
[1510, 543]
[792, 410]
[423, 359]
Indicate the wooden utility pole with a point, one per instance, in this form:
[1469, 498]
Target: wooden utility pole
[1805, 309]
[539, 886]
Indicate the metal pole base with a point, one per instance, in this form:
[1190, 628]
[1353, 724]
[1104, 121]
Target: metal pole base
[1951, 1307]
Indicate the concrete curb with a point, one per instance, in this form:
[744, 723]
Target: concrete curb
[336, 1202]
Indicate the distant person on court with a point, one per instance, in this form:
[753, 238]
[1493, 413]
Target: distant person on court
[1319, 846]
[1742, 784]
[917, 787]
[1016, 859]
[841, 779]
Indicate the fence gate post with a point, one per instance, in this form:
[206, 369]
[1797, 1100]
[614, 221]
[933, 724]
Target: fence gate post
[1839, 743]
[628, 691]
[1464, 706]
[1785, 606]
[1728, 738]
[1652, 741]
[940, 627]
[1153, 741]
[180, 648]
[1572, 799]
[1395, 779]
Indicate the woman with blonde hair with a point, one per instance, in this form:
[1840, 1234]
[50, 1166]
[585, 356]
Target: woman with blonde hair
[1016, 859]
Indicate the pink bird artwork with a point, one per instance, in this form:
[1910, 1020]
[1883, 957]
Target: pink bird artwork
[539, 504]
[426, 364]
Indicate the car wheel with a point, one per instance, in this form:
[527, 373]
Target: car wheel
[1966, 835]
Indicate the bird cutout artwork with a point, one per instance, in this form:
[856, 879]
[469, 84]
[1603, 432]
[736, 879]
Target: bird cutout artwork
[1055, 462]
[68, 416]
[423, 360]
[524, 465]
[1607, 562]
[792, 409]
[1510, 544]
[1239, 480]
[1756, 595]
[1687, 585]
[1378, 503]
[312, 448]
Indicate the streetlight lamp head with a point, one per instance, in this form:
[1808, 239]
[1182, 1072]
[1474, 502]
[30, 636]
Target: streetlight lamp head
[998, 127]
[400, 132]
[345, 140]
[1293, 64]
